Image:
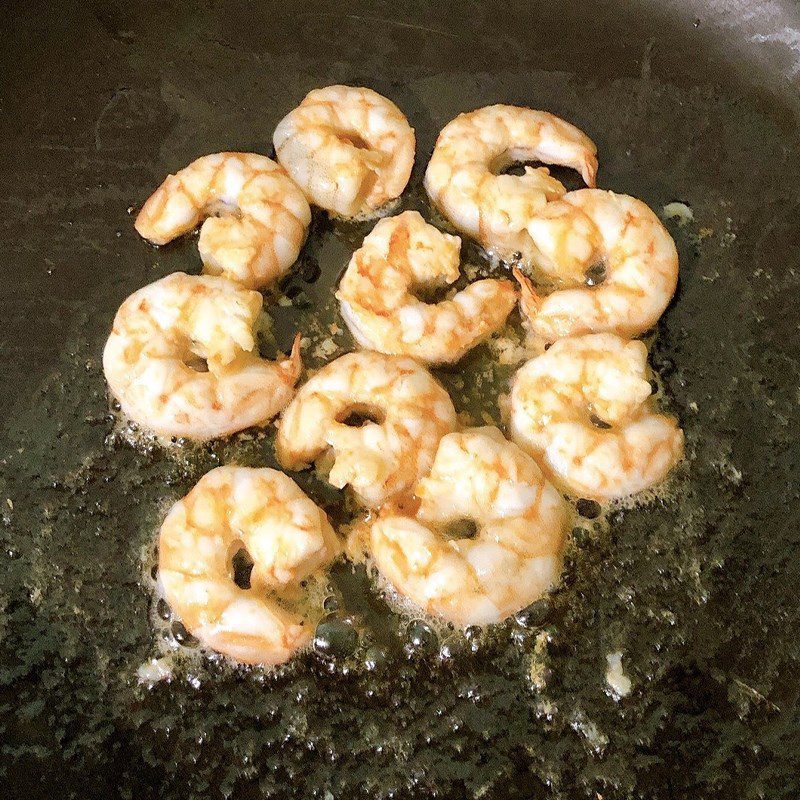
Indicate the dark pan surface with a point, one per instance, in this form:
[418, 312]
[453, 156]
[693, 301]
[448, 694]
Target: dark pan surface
[700, 590]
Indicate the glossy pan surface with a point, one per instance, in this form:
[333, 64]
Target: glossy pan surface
[698, 590]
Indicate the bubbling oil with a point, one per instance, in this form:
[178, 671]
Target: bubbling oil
[385, 626]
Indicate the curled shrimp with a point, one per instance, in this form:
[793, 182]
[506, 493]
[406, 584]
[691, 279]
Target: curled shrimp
[288, 538]
[463, 180]
[182, 359]
[350, 149]
[636, 257]
[407, 411]
[402, 253]
[256, 219]
[514, 557]
[581, 408]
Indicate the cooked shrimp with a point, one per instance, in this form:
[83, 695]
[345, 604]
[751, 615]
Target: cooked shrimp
[350, 149]
[256, 219]
[288, 539]
[407, 413]
[515, 555]
[626, 240]
[402, 253]
[463, 182]
[182, 359]
[582, 409]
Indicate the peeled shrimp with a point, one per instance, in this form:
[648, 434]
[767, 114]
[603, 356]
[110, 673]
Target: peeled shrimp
[463, 177]
[409, 412]
[350, 149]
[256, 219]
[286, 535]
[182, 359]
[515, 555]
[582, 410]
[627, 241]
[399, 254]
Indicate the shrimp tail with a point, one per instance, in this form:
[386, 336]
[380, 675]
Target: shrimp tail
[589, 171]
[529, 299]
[293, 365]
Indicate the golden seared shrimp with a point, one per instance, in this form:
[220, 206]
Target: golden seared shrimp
[285, 534]
[407, 411]
[256, 219]
[463, 177]
[349, 149]
[403, 253]
[623, 240]
[182, 359]
[514, 557]
[581, 408]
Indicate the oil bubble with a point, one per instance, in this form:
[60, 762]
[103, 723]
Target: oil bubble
[181, 635]
[330, 603]
[474, 637]
[452, 650]
[163, 609]
[375, 658]
[335, 637]
[533, 615]
[421, 638]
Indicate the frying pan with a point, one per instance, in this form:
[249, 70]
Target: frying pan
[698, 588]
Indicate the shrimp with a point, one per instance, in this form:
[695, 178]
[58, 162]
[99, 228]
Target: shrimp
[378, 306]
[514, 557]
[464, 183]
[350, 149]
[581, 408]
[256, 219]
[637, 261]
[288, 538]
[406, 409]
[182, 359]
